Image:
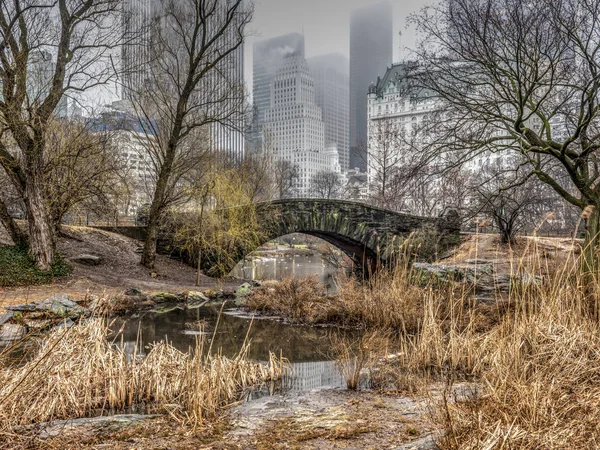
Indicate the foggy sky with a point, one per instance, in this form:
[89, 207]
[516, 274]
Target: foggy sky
[326, 25]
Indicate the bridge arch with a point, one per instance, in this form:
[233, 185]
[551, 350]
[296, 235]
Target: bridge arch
[368, 235]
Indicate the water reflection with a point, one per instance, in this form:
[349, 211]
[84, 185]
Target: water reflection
[288, 265]
[307, 348]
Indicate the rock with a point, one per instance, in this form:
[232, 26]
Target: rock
[139, 250]
[109, 423]
[6, 317]
[166, 309]
[478, 262]
[68, 323]
[38, 324]
[87, 260]
[458, 272]
[228, 294]
[164, 297]
[243, 290]
[10, 332]
[57, 306]
[424, 443]
[147, 304]
[21, 308]
[195, 296]
[133, 292]
[213, 294]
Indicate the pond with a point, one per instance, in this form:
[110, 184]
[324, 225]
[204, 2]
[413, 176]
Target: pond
[307, 348]
[286, 264]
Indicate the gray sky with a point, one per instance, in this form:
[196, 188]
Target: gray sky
[326, 24]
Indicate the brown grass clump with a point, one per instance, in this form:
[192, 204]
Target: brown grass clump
[539, 372]
[77, 372]
[357, 358]
[299, 300]
[389, 300]
[536, 370]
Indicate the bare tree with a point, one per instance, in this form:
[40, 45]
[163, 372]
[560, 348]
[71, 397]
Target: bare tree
[326, 185]
[285, 177]
[513, 201]
[521, 77]
[77, 35]
[82, 169]
[188, 92]
[384, 161]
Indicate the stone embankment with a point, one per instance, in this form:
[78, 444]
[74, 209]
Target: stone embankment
[479, 274]
[63, 310]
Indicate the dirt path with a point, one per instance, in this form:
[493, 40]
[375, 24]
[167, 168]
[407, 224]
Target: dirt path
[119, 270]
[542, 252]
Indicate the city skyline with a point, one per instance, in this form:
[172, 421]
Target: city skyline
[324, 24]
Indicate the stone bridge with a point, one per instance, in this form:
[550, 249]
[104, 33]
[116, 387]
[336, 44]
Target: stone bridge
[370, 236]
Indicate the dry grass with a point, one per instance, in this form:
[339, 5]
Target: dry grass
[537, 369]
[389, 300]
[533, 355]
[299, 300]
[78, 372]
[357, 358]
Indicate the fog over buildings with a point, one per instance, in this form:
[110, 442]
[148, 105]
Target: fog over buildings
[324, 23]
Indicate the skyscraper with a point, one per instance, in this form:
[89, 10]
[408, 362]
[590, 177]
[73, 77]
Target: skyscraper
[294, 123]
[136, 19]
[330, 73]
[371, 51]
[145, 19]
[268, 57]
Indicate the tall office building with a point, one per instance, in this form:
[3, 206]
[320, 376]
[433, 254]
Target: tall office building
[371, 52]
[140, 21]
[330, 73]
[135, 53]
[295, 125]
[268, 57]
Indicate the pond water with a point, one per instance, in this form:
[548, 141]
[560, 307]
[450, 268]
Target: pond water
[307, 348]
[286, 264]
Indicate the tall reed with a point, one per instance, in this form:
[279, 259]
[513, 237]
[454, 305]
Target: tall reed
[78, 372]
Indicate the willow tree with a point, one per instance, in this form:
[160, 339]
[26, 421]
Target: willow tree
[48, 48]
[520, 77]
[191, 89]
[223, 223]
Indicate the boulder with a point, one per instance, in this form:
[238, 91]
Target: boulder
[6, 317]
[133, 292]
[195, 296]
[243, 290]
[164, 297]
[10, 332]
[56, 306]
[97, 424]
[87, 260]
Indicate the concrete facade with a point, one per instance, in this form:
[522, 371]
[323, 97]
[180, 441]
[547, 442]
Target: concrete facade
[294, 124]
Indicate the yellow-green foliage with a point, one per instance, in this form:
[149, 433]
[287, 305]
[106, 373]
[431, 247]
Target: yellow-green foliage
[223, 223]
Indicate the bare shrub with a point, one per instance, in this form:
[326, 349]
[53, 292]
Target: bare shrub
[300, 300]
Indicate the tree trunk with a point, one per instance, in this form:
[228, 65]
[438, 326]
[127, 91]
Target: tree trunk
[15, 233]
[157, 206]
[591, 246]
[41, 233]
[149, 254]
